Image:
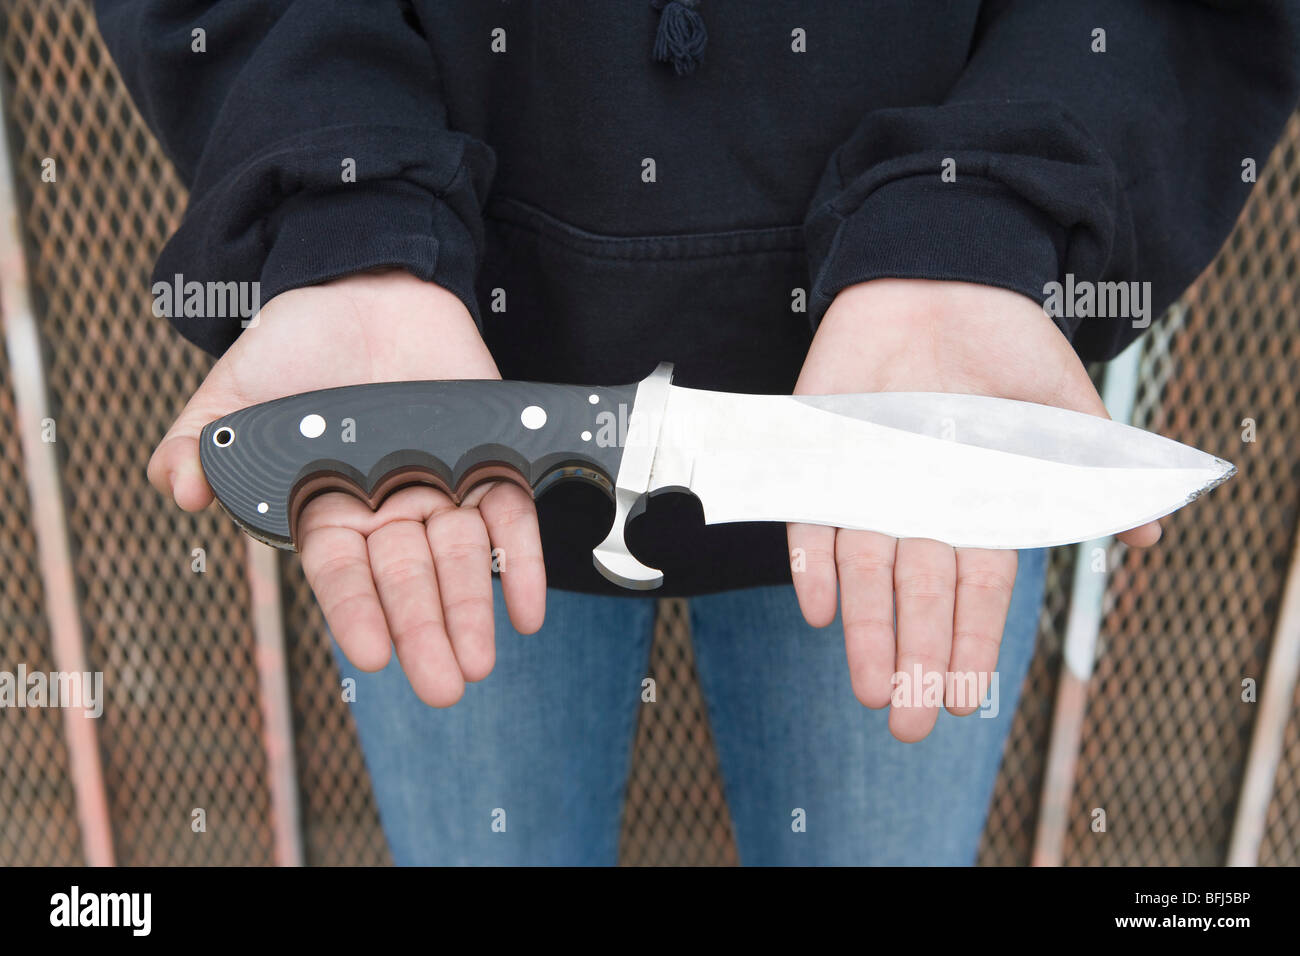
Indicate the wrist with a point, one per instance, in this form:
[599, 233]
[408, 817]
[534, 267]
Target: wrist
[932, 335]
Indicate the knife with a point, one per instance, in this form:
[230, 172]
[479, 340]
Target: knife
[968, 470]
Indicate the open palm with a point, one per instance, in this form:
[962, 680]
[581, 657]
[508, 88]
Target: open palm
[917, 603]
[414, 575]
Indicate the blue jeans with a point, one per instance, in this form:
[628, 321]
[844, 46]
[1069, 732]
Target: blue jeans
[530, 767]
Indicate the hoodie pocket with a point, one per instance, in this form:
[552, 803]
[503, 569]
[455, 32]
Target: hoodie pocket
[562, 304]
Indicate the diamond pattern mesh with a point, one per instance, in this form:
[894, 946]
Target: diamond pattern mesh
[1281, 845]
[1167, 731]
[38, 817]
[1009, 833]
[181, 728]
[676, 814]
[339, 819]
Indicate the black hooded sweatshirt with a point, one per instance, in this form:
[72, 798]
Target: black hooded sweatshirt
[641, 181]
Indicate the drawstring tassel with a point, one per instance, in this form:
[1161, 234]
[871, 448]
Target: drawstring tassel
[681, 35]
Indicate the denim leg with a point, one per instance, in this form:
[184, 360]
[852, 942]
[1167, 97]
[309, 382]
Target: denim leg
[792, 737]
[541, 746]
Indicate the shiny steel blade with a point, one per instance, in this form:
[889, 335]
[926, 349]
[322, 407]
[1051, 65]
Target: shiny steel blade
[967, 470]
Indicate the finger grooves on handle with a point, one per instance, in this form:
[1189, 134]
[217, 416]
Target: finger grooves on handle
[323, 482]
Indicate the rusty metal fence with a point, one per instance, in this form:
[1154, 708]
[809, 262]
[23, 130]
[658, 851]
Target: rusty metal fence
[186, 735]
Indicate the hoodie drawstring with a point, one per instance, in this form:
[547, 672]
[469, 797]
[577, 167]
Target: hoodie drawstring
[681, 36]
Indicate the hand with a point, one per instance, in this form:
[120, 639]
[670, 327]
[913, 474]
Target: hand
[416, 574]
[926, 336]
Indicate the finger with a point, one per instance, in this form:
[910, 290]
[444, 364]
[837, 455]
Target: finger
[412, 503]
[404, 577]
[463, 567]
[865, 561]
[1078, 394]
[1143, 536]
[174, 470]
[925, 582]
[511, 519]
[337, 566]
[984, 583]
[174, 467]
[812, 567]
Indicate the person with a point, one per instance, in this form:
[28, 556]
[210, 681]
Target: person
[839, 197]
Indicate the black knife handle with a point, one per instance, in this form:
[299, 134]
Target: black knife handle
[265, 462]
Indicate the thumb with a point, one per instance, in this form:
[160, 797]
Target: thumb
[1079, 395]
[174, 468]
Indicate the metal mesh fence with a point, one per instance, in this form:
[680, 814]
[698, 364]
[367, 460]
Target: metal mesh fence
[676, 814]
[38, 822]
[1166, 729]
[1281, 846]
[181, 726]
[1009, 832]
[339, 819]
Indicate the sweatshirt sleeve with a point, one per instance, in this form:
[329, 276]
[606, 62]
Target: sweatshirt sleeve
[1117, 166]
[313, 139]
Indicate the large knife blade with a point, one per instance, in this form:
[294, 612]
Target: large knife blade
[968, 470]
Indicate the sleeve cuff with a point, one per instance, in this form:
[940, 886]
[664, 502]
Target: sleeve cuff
[322, 235]
[918, 227]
